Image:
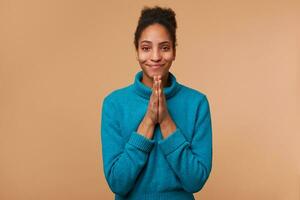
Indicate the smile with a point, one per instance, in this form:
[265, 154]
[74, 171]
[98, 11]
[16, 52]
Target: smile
[155, 66]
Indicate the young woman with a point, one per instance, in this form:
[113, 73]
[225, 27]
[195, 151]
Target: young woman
[156, 133]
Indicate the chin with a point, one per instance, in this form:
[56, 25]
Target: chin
[152, 74]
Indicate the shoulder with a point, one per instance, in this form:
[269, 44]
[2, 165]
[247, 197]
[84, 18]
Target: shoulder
[198, 99]
[192, 93]
[118, 94]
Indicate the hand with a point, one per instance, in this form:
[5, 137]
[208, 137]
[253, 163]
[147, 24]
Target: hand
[163, 112]
[152, 111]
[157, 112]
[167, 125]
[146, 127]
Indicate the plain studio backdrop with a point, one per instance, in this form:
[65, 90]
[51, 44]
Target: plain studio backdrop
[59, 58]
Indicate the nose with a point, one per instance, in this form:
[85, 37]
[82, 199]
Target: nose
[155, 56]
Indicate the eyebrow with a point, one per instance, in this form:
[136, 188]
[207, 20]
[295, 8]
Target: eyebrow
[147, 41]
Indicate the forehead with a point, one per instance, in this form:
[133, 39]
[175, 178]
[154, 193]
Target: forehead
[155, 33]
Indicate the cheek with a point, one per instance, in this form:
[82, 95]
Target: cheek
[142, 57]
[169, 57]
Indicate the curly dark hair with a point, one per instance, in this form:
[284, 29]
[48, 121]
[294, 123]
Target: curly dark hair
[162, 16]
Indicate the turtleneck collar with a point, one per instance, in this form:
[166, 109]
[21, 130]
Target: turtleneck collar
[144, 91]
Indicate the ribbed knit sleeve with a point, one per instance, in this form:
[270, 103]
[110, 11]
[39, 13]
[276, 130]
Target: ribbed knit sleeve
[191, 161]
[122, 160]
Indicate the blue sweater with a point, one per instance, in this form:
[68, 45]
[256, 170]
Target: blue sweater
[172, 168]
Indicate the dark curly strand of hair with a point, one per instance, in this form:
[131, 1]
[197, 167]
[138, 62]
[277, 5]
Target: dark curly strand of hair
[162, 16]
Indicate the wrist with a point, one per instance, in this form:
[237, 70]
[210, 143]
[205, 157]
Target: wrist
[167, 126]
[148, 122]
[146, 128]
[166, 122]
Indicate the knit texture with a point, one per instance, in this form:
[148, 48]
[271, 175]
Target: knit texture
[138, 168]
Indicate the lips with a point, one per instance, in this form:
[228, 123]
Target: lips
[155, 66]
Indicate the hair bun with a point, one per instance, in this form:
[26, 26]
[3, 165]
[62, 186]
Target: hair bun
[166, 14]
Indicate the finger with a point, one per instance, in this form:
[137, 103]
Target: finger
[156, 86]
[153, 89]
[157, 94]
[161, 94]
[157, 90]
[153, 86]
[159, 97]
[156, 97]
[155, 102]
[153, 96]
[160, 85]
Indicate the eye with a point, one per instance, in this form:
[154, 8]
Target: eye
[166, 48]
[145, 48]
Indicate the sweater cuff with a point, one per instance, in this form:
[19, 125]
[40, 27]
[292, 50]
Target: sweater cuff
[141, 142]
[172, 142]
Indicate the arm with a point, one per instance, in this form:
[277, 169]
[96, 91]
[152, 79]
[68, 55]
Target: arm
[122, 160]
[191, 162]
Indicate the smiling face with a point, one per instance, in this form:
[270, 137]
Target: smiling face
[155, 53]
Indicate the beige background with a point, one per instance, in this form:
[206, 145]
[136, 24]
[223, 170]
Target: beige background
[58, 59]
